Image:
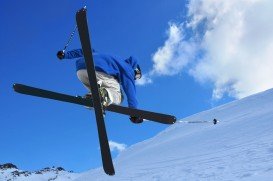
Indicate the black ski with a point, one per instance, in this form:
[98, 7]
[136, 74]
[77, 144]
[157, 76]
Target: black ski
[153, 116]
[86, 47]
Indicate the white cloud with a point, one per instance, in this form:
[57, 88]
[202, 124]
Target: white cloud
[176, 53]
[231, 46]
[172, 57]
[238, 45]
[114, 146]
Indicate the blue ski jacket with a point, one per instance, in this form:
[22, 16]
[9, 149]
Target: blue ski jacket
[121, 69]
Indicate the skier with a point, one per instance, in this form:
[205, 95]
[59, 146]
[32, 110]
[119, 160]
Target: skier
[110, 72]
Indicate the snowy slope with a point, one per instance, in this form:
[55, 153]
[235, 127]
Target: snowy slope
[240, 147]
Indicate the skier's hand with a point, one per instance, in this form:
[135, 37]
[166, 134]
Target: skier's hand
[136, 119]
[60, 54]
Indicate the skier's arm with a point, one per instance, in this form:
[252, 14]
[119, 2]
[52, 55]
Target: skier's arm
[77, 53]
[130, 91]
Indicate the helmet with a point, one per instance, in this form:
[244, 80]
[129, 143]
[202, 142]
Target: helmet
[138, 73]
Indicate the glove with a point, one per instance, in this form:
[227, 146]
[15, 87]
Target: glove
[136, 119]
[60, 54]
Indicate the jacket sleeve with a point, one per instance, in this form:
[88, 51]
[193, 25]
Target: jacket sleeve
[129, 88]
[77, 53]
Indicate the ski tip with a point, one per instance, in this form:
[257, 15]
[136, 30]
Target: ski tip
[174, 120]
[110, 172]
[15, 86]
[82, 9]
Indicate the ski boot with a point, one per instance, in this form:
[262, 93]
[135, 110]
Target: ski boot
[136, 120]
[88, 96]
[105, 98]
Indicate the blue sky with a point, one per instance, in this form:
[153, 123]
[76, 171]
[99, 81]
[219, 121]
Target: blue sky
[36, 133]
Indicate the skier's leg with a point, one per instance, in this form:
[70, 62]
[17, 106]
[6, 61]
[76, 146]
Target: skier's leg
[83, 77]
[112, 86]
[107, 82]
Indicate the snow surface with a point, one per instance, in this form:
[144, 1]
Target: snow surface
[240, 147]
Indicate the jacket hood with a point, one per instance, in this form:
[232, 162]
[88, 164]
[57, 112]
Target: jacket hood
[132, 61]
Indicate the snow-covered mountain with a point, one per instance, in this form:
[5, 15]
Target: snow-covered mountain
[240, 147]
[10, 172]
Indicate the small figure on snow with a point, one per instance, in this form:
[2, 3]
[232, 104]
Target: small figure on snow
[111, 72]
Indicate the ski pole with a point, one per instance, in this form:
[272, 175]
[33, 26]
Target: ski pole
[214, 121]
[71, 35]
[70, 38]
